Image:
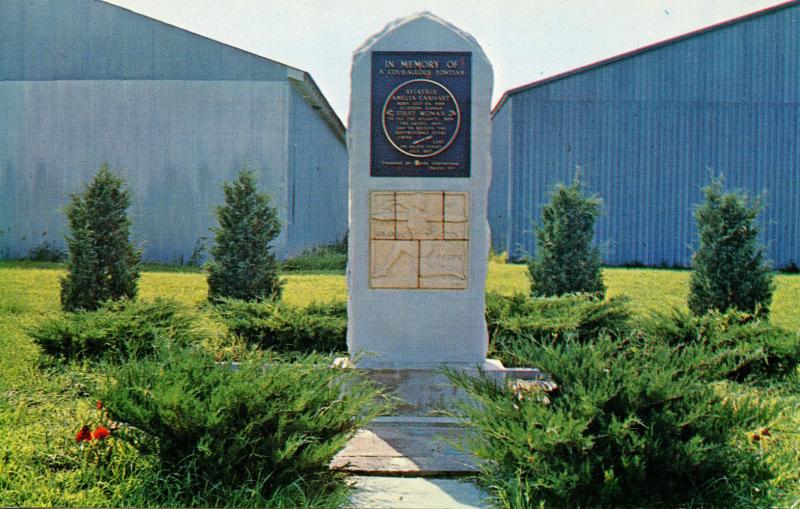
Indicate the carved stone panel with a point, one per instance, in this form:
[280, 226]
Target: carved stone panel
[394, 264]
[456, 216]
[419, 239]
[419, 216]
[382, 216]
[443, 264]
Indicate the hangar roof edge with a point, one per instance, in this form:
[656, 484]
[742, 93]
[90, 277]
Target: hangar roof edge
[640, 50]
[299, 79]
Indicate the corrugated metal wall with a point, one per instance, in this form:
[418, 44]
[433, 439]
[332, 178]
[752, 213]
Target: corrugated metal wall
[175, 142]
[650, 130]
[499, 208]
[317, 197]
[83, 82]
[89, 39]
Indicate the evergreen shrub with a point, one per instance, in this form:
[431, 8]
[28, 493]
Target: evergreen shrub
[519, 319]
[729, 271]
[103, 263]
[118, 330]
[332, 257]
[630, 425]
[47, 252]
[565, 260]
[243, 264]
[733, 345]
[791, 268]
[212, 424]
[316, 328]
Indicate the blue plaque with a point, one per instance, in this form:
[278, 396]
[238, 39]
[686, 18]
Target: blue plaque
[420, 120]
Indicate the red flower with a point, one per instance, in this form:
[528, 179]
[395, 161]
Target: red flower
[99, 405]
[100, 433]
[84, 434]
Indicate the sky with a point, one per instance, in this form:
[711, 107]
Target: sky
[525, 40]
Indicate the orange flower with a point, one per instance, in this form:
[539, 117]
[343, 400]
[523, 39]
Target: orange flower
[84, 435]
[99, 405]
[100, 433]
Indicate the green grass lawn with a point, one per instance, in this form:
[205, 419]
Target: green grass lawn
[40, 410]
[33, 287]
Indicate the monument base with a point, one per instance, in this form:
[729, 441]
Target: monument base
[426, 390]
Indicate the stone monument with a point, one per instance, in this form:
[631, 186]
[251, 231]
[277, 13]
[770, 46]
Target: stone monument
[419, 141]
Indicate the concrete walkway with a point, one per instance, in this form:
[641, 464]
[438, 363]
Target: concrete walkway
[407, 447]
[415, 493]
[410, 462]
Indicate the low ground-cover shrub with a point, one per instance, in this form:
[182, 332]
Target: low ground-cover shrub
[519, 319]
[333, 257]
[783, 447]
[258, 425]
[734, 345]
[47, 252]
[118, 330]
[631, 425]
[791, 268]
[275, 326]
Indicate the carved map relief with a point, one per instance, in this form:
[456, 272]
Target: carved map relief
[443, 264]
[382, 216]
[419, 216]
[419, 239]
[394, 264]
[456, 216]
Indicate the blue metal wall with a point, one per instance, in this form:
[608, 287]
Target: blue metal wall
[651, 129]
[175, 142]
[317, 195]
[499, 208]
[83, 83]
[89, 39]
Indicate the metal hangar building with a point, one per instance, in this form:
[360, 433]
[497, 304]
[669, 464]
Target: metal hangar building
[649, 129]
[83, 83]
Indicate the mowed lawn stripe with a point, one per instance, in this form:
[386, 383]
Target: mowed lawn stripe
[27, 287]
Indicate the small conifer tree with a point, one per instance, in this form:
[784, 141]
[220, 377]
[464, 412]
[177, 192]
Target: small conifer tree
[565, 260]
[103, 262]
[243, 265]
[728, 268]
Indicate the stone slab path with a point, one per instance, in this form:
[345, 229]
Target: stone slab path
[410, 462]
[415, 493]
[406, 446]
